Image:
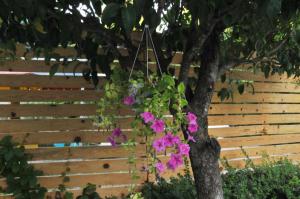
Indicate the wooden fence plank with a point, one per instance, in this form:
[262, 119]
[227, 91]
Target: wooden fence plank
[65, 137]
[259, 76]
[254, 130]
[259, 98]
[96, 152]
[45, 81]
[40, 66]
[256, 151]
[48, 110]
[103, 192]
[259, 140]
[89, 166]
[257, 161]
[49, 95]
[253, 119]
[263, 87]
[253, 108]
[82, 180]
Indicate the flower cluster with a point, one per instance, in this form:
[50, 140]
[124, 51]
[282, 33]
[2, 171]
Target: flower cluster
[157, 125]
[167, 141]
[176, 160]
[192, 126]
[116, 134]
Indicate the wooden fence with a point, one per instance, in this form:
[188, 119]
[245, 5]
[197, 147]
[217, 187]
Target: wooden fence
[50, 115]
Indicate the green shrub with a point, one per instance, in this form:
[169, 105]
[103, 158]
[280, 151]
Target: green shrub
[271, 180]
[177, 188]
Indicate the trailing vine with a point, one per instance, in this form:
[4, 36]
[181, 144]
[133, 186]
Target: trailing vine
[150, 99]
[21, 177]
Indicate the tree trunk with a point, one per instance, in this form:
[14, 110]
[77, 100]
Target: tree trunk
[205, 152]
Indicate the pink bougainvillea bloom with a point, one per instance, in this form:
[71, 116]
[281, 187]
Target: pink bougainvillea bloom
[160, 167]
[192, 118]
[176, 139]
[193, 127]
[183, 149]
[117, 132]
[191, 138]
[158, 126]
[159, 145]
[112, 141]
[175, 161]
[129, 100]
[147, 117]
[169, 139]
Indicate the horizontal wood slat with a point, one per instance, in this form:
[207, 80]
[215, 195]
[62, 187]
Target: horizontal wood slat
[260, 140]
[45, 81]
[40, 66]
[49, 95]
[64, 137]
[257, 161]
[253, 119]
[254, 130]
[263, 87]
[96, 152]
[82, 180]
[109, 192]
[91, 166]
[259, 98]
[259, 76]
[258, 151]
[253, 108]
[48, 110]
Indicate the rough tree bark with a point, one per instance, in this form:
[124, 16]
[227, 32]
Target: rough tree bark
[205, 152]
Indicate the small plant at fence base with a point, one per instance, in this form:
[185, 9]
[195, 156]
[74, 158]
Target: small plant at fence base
[21, 177]
[150, 99]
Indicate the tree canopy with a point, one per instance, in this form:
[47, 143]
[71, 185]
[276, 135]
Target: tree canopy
[249, 31]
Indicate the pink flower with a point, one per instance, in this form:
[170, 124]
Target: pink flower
[129, 100]
[169, 139]
[159, 145]
[183, 149]
[190, 138]
[117, 132]
[158, 126]
[147, 117]
[160, 167]
[192, 118]
[175, 161]
[112, 141]
[193, 127]
[176, 139]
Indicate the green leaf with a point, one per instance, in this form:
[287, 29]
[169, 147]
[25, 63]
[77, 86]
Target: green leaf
[53, 69]
[110, 12]
[181, 88]
[223, 94]
[128, 18]
[241, 88]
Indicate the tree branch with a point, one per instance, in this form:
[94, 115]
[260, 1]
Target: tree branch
[236, 62]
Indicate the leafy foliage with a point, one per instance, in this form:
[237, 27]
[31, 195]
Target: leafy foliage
[150, 99]
[273, 179]
[21, 177]
[279, 179]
